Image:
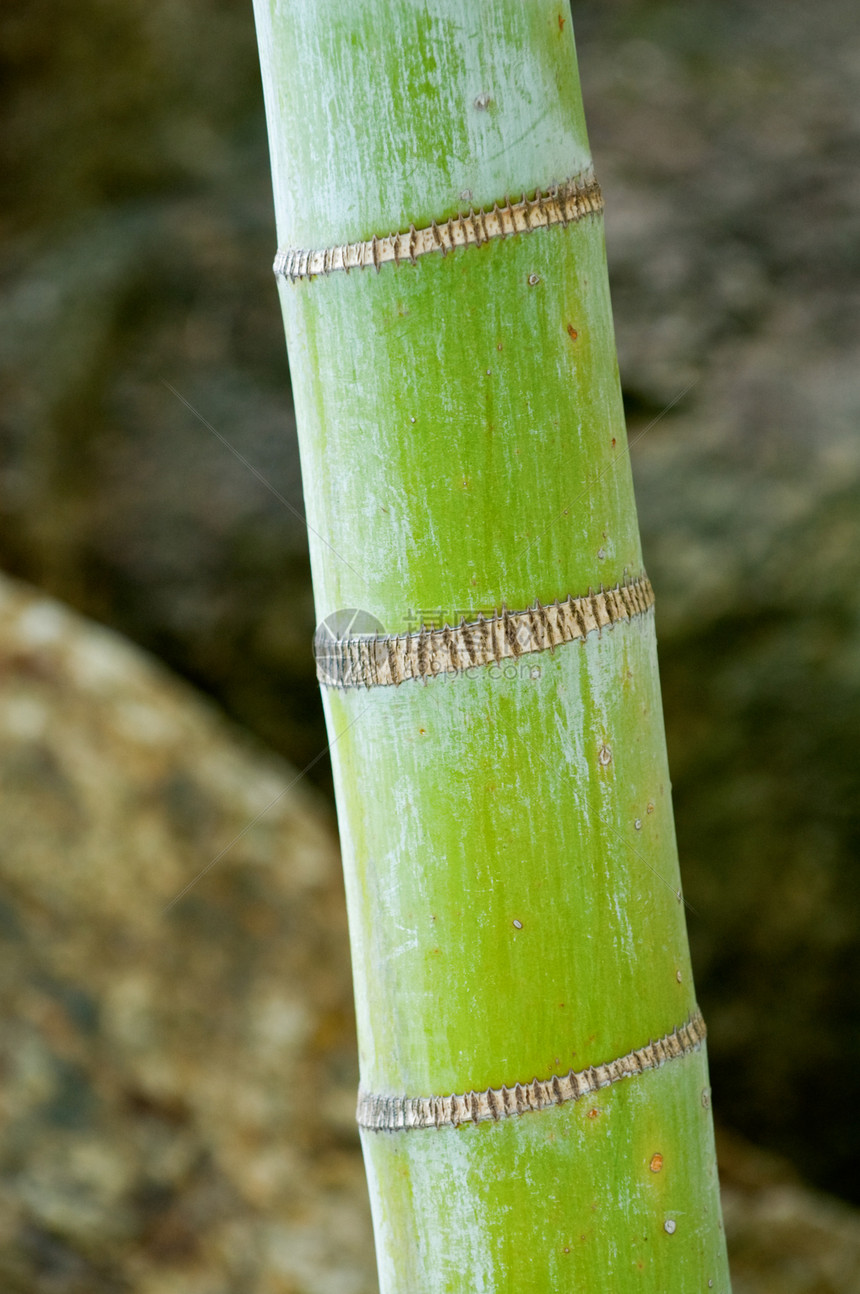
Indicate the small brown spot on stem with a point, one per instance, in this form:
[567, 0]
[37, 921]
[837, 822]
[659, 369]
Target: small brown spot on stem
[650, 808]
[571, 332]
[561, 22]
[593, 1113]
[656, 1163]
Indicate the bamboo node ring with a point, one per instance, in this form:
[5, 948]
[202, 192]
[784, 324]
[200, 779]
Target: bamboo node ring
[379, 659]
[379, 1113]
[561, 204]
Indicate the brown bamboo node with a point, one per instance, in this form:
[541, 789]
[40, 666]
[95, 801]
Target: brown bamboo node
[399, 1113]
[563, 204]
[382, 660]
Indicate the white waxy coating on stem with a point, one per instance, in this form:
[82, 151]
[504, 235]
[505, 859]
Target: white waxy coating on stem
[373, 121]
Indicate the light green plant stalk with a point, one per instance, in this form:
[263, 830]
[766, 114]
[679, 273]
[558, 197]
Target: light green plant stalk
[512, 883]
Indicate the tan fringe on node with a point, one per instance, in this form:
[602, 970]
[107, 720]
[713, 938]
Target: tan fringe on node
[563, 204]
[378, 660]
[397, 1113]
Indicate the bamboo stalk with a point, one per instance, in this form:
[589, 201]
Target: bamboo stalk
[515, 909]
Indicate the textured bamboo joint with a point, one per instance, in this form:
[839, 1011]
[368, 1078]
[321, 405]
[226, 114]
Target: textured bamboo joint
[563, 204]
[381, 660]
[397, 1113]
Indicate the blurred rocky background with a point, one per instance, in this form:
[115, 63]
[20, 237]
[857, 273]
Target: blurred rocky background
[156, 1061]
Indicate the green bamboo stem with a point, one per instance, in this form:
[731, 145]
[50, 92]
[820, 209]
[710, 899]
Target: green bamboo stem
[509, 853]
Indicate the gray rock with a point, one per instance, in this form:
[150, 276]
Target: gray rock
[178, 1048]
